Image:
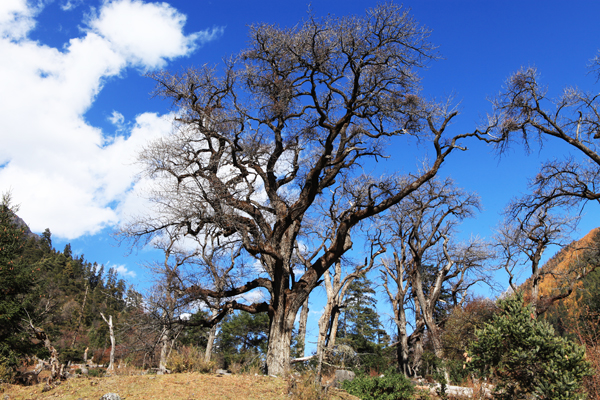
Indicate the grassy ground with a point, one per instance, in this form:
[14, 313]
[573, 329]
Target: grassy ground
[175, 386]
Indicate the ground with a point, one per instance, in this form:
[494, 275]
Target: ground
[175, 386]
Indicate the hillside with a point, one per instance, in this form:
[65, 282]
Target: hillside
[567, 272]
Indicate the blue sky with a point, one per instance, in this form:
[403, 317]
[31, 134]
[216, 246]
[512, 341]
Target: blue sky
[75, 108]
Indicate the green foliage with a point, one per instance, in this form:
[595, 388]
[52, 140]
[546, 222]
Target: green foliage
[243, 338]
[434, 367]
[16, 285]
[392, 386]
[71, 354]
[360, 327]
[48, 287]
[7, 372]
[195, 335]
[359, 322]
[525, 356]
[96, 372]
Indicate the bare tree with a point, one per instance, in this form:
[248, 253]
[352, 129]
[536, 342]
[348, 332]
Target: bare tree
[396, 270]
[522, 243]
[289, 119]
[109, 322]
[218, 260]
[426, 264]
[317, 234]
[524, 112]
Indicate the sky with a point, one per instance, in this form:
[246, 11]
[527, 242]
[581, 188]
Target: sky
[75, 107]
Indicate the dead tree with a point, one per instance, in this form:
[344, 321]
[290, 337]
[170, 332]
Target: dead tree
[109, 322]
[287, 121]
[56, 368]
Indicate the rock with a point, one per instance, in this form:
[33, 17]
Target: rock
[222, 372]
[110, 396]
[84, 371]
[28, 378]
[342, 375]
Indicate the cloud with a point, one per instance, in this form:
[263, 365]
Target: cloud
[70, 5]
[123, 271]
[147, 34]
[116, 118]
[68, 175]
[16, 18]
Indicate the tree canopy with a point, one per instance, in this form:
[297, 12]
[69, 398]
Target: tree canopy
[284, 125]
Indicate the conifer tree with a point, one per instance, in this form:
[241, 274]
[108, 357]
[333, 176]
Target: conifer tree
[15, 284]
[526, 357]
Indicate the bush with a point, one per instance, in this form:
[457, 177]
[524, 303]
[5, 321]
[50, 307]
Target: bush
[392, 386]
[7, 372]
[304, 387]
[189, 359]
[70, 354]
[96, 372]
[525, 356]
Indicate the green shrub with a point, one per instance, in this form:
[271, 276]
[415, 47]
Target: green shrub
[96, 372]
[70, 354]
[7, 372]
[526, 358]
[392, 386]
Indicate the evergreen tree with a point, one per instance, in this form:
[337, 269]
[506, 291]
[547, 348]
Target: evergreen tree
[16, 283]
[360, 320]
[360, 327]
[243, 338]
[526, 357]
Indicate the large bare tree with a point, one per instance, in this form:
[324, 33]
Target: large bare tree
[523, 112]
[289, 119]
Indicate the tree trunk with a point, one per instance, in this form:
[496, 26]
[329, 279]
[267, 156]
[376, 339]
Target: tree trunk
[402, 348]
[111, 365]
[210, 343]
[324, 323]
[302, 329]
[335, 322]
[164, 341]
[56, 371]
[280, 339]
[80, 316]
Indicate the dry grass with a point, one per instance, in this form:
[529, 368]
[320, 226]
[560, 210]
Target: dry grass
[174, 386]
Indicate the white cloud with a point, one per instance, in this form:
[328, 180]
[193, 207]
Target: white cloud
[66, 174]
[116, 118]
[254, 296]
[123, 271]
[16, 18]
[147, 34]
[70, 5]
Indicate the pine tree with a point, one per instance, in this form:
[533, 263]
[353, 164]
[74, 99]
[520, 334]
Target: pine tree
[16, 282]
[525, 356]
[243, 337]
[360, 327]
